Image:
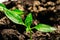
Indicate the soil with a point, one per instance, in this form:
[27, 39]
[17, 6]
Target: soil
[44, 11]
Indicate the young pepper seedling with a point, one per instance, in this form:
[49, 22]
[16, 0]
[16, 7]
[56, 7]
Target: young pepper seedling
[16, 18]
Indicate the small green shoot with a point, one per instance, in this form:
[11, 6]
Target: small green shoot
[14, 17]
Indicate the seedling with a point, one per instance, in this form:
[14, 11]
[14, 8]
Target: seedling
[15, 16]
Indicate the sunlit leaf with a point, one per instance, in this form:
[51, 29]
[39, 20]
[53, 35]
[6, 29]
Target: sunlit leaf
[13, 17]
[28, 20]
[44, 28]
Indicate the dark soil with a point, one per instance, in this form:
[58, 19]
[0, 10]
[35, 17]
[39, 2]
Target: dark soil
[44, 11]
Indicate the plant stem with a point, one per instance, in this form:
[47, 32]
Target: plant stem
[30, 34]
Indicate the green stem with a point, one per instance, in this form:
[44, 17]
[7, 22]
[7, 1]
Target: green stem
[30, 34]
[32, 27]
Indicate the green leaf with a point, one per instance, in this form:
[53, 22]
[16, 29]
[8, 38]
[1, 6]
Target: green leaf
[13, 17]
[1, 4]
[19, 12]
[44, 28]
[28, 20]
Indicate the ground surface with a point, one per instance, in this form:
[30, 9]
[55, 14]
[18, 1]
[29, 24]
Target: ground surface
[44, 11]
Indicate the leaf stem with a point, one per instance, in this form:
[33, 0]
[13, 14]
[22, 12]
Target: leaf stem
[32, 27]
[30, 34]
